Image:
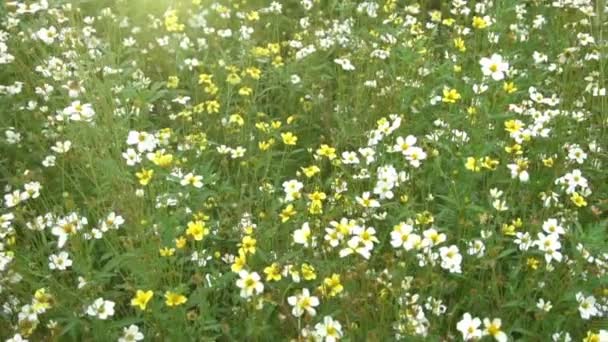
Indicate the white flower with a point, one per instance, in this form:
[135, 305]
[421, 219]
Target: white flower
[143, 140]
[494, 67]
[542, 305]
[17, 338]
[587, 306]
[450, 258]
[62, 146]
[79, 112]
[292, 189]
[302, 303]
[191, 179]
[101, 308]
[551, 226]
[550, 245]
[329, 330]
[249, 283]
[366, 201]
[131, 157]
[345, 64]
[60, 262]
[131, 334]
[492, 328]
[47, 35]
[469, 327]
[303, 236]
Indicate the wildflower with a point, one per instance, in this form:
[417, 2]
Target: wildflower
[327, 151]
[332, 285]
[191, 179]
[450, 95]
[289, 138]
[130, 334]
[544, 306]
[197, 230]
[492, 328]
[587, 306]
[141, 299]
[273, 272]
[249, 283]
[145, 142]
[494, 67]
[509, 87]
[472, 164]
[469, 327]
[481, 23]
[308, 272]
[519, 170]
[144, 176]
[578, 200]
[303, 235]
[287, 213]
[79, 112]
[167, 252]
[450, 258]
[311, 170]
[174, 299]
[60, 262]
[329, 330]
[302, 303]
[366, 201]
[101, 308]
[248, 244]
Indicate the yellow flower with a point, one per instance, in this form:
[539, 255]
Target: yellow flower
[489, 163]
[212, 106]
[42, 300]
[548, 162]
[578, 200]
[161, 159]
[144, 176]
[172, 22]
[311, 170]
[509, 87]
[327, 151]
[332, 286]
[174, 299]
[172, 82]
[287, 213]
[197, 230]
[289, 138]
[479, 23]
[472, 165]
[273, 272]
[166, 251]
[459, 44]
[248, 244]
[141, 299]
[317, 196]
[513, 126]
[308, 272]
[450, 95]
[254, 73]
[180, 242]
[245, 91]
[233, 79]
[532, 263]
[205, 79]
[239, 262]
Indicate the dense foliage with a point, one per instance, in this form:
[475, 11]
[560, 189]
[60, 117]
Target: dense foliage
[321, 170]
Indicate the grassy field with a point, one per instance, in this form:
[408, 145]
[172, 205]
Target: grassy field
[303, 170]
